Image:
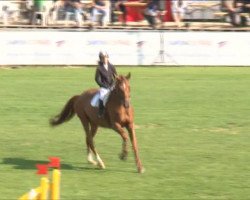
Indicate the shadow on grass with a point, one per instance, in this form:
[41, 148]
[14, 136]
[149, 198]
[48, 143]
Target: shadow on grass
[26, 164]
[22, 163]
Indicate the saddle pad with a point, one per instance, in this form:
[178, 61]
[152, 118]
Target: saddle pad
[95, 100]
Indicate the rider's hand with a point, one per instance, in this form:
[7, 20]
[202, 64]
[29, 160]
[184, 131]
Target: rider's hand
[112, 87]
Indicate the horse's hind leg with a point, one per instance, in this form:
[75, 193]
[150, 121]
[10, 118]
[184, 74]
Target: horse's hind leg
[90, 139]
[86, 126]
[90, 157]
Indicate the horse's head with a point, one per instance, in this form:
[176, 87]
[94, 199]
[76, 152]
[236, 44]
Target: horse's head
[122, 89]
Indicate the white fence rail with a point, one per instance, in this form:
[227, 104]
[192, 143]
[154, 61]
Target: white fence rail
[125, 48]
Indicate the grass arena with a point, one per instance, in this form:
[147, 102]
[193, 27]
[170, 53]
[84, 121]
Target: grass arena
[192, 127]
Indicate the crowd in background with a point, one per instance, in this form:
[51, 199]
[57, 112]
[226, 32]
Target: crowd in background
[105, 12]
[234, 8]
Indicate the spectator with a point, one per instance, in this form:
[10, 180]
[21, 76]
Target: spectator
[75, 7]
[152, 12]
[38, 6]
[118, 5]
[68, 8]
[244, 8]
[26, 9]
[57, 7]
[9, 10]
[232, 7]
[4, 12]
[99, 11]
[87, 8]
[161, 6]
[178, 10]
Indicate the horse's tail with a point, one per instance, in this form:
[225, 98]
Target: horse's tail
[66, 114]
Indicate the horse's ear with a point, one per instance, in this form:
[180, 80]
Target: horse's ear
[128, 76]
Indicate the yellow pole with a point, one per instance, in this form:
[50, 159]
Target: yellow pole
[24, 197]
[44, 188]
[32, 194]
[55, 187]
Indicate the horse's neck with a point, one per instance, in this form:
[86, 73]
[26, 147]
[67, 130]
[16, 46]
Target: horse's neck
[115, 99]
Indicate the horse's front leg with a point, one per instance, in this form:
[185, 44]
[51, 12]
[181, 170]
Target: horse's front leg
[124, 154]
[133, 140]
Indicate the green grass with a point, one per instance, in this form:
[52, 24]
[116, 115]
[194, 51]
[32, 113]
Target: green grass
[193, 130]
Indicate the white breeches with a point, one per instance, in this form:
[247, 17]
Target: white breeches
[104, 94]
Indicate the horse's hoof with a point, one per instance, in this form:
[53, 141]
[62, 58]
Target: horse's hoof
[101, 165]
[141, 170]
[123, 156]
[93, 162]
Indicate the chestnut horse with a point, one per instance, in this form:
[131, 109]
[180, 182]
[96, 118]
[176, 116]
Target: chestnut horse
[118, 115]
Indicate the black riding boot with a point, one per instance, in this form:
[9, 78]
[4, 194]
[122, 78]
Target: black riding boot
[101, 109]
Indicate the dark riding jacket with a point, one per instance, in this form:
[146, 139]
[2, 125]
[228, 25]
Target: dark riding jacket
[105, 78]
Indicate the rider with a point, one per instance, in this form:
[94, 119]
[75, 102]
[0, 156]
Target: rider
[104, 77]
